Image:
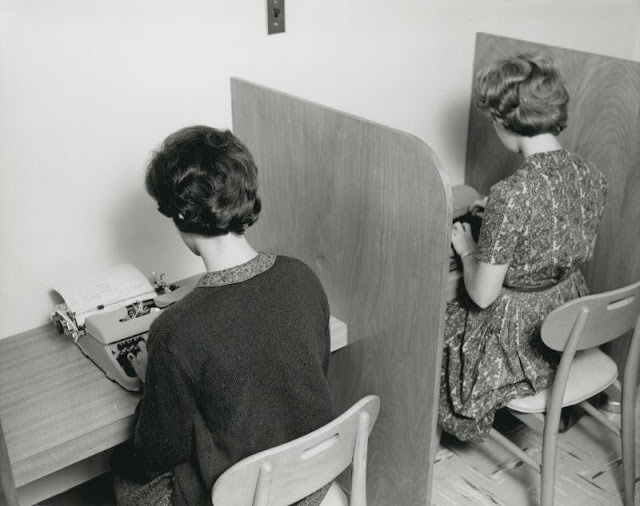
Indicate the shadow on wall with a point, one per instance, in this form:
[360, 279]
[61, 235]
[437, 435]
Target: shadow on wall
[145, 238]
[455, 120]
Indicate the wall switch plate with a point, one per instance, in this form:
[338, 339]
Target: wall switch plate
[275, 16]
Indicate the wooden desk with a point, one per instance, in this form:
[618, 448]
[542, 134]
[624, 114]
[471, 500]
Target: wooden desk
[61, 415]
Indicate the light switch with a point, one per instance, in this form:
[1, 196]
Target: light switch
[275, 16]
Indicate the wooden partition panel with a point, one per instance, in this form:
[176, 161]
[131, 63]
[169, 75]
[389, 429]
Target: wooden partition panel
[367, 209]
[604, 127]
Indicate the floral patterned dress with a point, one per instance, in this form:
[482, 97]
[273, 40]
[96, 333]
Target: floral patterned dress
[542, 221]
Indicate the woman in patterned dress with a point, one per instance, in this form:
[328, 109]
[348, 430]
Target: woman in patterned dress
[539, 226]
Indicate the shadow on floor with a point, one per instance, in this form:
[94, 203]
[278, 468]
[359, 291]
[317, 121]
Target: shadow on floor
[96, 492]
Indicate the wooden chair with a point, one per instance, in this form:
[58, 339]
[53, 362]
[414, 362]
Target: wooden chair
[576, 329]
[287, 473]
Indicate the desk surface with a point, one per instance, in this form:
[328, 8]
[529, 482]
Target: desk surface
[57, 408]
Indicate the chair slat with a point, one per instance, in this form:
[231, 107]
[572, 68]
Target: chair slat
[300, 467]
[611, 314]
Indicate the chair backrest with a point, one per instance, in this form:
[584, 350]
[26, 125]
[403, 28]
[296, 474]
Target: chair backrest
[287, 473]
[602, 317]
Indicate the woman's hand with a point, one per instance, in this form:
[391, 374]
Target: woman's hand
[139, 360]
[461, 238]
[478, 207]
[482, 281]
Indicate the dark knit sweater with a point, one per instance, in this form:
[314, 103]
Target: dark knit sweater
[237, 366]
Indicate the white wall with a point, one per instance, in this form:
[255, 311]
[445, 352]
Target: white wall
[89, 87]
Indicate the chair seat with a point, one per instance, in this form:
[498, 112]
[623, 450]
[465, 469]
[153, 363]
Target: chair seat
[591, 372]
[335, 496]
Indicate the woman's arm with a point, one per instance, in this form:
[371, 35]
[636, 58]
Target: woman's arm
[482, 281]
[163, 430]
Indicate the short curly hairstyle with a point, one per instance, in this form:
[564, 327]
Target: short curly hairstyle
[526, 93]
[206, 181]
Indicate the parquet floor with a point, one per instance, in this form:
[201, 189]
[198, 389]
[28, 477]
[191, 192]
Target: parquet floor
[589, 469]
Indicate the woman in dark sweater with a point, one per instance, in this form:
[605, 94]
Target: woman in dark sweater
[238, 365]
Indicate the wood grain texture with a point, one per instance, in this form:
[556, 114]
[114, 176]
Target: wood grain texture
[56, 407]
[604, 127]
[366, 208]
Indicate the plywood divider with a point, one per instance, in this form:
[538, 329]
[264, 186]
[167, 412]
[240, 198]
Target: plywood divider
[368, 209]
[604, 127]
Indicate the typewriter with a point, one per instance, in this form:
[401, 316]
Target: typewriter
[107, 315]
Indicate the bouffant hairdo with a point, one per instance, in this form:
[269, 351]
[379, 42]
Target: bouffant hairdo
[525, 93]
[206, 181]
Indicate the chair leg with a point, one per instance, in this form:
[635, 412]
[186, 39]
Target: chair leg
[629, 416]
[549, 448]
[534, 421]
[513, 448]
[595, 413]
[628, 445]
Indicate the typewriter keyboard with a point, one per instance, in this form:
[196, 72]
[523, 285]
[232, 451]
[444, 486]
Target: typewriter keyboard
[121, 349]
